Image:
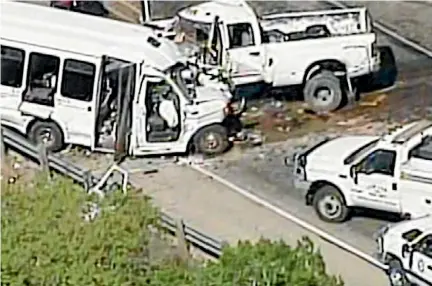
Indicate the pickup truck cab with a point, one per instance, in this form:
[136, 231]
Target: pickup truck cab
[392, 173]
[113, 87]
[323, 52]
[406, 248]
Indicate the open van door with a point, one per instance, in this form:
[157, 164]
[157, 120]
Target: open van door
[158, 119]
[124, 115]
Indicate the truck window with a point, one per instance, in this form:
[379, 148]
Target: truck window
[425, 246]
[422, 150]
[12, 66]
[42, 78]
[241, 35]
[411, 235]
[380, 162]
[78, 80]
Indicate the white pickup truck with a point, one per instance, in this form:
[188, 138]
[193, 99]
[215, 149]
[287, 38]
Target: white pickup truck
[406, 248]
[390, 174]
[322, 52]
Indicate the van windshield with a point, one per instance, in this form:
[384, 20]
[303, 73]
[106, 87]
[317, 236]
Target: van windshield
[177, 74]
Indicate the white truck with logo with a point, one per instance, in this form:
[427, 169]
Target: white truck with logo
[406, 248]
[322, 52]
[69, 78]
[390, 174]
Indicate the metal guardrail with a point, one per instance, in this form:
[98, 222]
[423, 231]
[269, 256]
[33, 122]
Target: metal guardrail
[23, 146]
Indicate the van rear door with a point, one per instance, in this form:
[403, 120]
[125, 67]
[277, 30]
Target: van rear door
[76, 98]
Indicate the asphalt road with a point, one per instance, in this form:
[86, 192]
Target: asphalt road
[261, 170]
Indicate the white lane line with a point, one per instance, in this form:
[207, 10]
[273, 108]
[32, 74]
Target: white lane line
[324, 235]
[389, 32]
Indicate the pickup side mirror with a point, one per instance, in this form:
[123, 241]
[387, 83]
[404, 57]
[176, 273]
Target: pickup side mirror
[353, 173]
[406, 250]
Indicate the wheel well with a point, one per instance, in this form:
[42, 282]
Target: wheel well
[316, 67]
[390, 256]
[318, 185]
[33, 122]
[191, 146]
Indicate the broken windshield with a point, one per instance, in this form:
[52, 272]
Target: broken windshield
[191, 35]
[177, 74]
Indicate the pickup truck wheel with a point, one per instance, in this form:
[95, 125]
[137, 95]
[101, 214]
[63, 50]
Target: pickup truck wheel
[323, 92]
[396, 273]
[211, 140]
[330, 205]
[47, 133]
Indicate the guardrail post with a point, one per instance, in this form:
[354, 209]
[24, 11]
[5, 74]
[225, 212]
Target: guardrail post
[2, 148]
[43, 160]
[182, 245]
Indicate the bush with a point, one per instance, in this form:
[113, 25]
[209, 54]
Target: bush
[46, 241]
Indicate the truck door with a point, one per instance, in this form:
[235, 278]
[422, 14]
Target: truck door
[375, 184]
[75, 102]
[421, 261]
[246, 53]
[159, 118]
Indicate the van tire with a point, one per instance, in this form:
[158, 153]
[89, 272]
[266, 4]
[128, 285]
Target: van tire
[330, 205]
[39, 132]
[329, 87]
[211, 140]
[396, 273]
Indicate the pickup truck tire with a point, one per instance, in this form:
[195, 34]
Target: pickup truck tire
[329, 205]
[396, 273]
[323, 92]
[211, 140]
[47, 133]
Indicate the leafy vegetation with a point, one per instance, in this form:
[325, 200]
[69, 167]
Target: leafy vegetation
[46, 240]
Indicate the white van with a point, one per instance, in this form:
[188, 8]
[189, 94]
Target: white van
[69, 78]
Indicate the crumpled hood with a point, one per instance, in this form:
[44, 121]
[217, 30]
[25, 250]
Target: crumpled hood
[336, 150]
[209, 93]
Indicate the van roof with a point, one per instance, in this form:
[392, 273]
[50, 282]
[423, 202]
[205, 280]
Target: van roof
[85, 34]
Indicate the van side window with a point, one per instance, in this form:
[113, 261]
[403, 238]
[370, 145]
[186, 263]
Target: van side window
[78, 80]
[42, 79]
[12, 66]
[241, 35]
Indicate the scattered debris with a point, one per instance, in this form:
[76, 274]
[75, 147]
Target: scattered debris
[377, 101]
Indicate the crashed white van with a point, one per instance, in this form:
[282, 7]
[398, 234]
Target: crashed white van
[391, 174]
[70, 78]
[323, 52]
[406, 248]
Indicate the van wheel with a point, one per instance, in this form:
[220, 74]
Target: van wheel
[330, 205]
[211, 140]
[396, 273]
[47, 133]
[323, 92]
